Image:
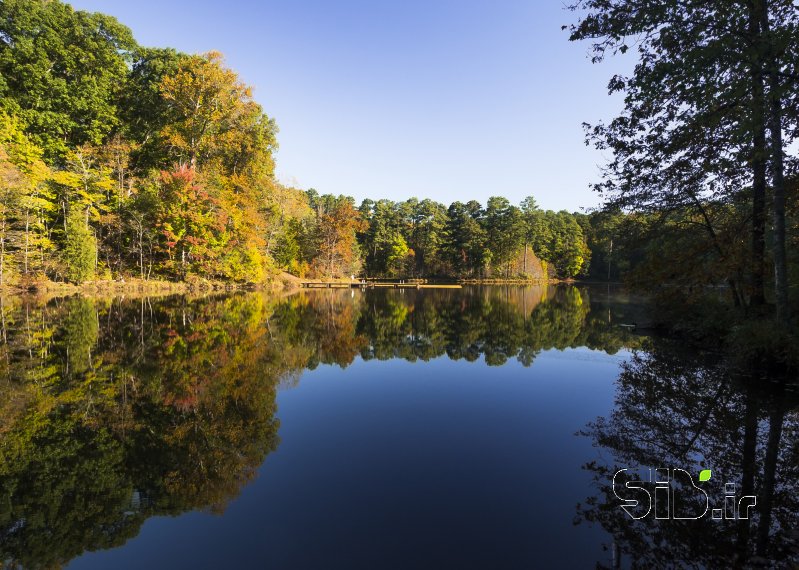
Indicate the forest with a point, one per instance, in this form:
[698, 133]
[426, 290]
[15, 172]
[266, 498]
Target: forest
[119, 161]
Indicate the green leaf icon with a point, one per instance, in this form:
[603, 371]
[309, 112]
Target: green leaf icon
[704, 475]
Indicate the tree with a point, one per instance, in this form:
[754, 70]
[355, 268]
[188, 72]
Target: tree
[11, 180]
[63, 71]
[400, 259]
[80, 248]
[504, 231]
[191, 222]
[27, 199]
[212, 115]
[333, 235]
[466, 239]
[696, 109]
[145, 112]
[428, 220]
[384, 232]
[531, 225]
[570, 252]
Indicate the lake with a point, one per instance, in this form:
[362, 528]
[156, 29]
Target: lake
[473, 428]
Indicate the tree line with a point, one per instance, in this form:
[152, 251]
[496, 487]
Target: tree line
[121, 161]
[425, 238]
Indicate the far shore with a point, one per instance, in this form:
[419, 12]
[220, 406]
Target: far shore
[283, 282]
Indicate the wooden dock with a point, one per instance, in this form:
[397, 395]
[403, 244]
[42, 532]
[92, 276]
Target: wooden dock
[375, 285]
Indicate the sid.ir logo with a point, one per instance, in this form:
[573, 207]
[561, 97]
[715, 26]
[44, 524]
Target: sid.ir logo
[670, 493]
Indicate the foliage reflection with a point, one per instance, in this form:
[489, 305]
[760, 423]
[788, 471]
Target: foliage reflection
[684, 411]
[112, 411]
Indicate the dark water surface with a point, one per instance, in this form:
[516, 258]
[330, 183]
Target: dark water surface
[474, 428]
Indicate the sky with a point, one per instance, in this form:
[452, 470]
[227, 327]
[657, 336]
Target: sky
[442, 99]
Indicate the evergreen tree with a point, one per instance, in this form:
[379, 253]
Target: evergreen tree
[80, 248]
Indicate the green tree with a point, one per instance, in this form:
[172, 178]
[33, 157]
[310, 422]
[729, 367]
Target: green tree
[145, 112]
[427, 239]
[504, 232]
[63, 71]
[400, 259]
[80, 248]
[466, 239]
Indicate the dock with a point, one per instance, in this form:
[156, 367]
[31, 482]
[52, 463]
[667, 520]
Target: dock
[375, 285]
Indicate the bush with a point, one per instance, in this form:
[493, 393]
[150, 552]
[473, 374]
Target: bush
[764, 345]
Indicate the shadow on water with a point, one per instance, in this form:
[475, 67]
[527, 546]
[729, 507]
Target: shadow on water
[114, 411]
[679, 410]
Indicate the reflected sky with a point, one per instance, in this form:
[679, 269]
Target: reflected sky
[465, 428]
[398, 464]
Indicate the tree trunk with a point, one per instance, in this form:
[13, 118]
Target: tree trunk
[776, 420]
[758, 158]
[2, 251]
[777, 176]
[525, 258]
[27, 237]
[141, 250]
[748, 468]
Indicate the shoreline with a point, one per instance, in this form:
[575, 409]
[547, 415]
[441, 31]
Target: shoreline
[280, 283]
[140, 287]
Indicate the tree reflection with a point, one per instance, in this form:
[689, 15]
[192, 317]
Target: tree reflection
[497, 323]
[112, 411]
[676, 410]
[116, 412]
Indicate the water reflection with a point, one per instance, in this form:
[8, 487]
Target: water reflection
[679, 410]
[112, 411]
[497, 323]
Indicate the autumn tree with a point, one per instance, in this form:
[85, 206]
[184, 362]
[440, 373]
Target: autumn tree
[211, 113]
[11, 180]
[332, 235]
[27, 200]
[191, 222]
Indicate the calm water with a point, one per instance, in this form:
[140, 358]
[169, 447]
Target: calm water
[474, 428]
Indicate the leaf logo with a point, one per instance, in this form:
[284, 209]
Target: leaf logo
[704, 475]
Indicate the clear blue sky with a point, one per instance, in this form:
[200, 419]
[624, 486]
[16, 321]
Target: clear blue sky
[446, 99]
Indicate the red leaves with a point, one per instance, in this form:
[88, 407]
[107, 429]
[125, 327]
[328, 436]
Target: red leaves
[181, 174]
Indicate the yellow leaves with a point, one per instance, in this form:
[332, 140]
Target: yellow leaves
[20, 155]
[39, 202]
[105, 184]
[68, 179]
[10, 176]
[213, 109]
[87, 180]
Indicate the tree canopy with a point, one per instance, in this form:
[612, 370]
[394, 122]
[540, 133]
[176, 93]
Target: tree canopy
[122, 161]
